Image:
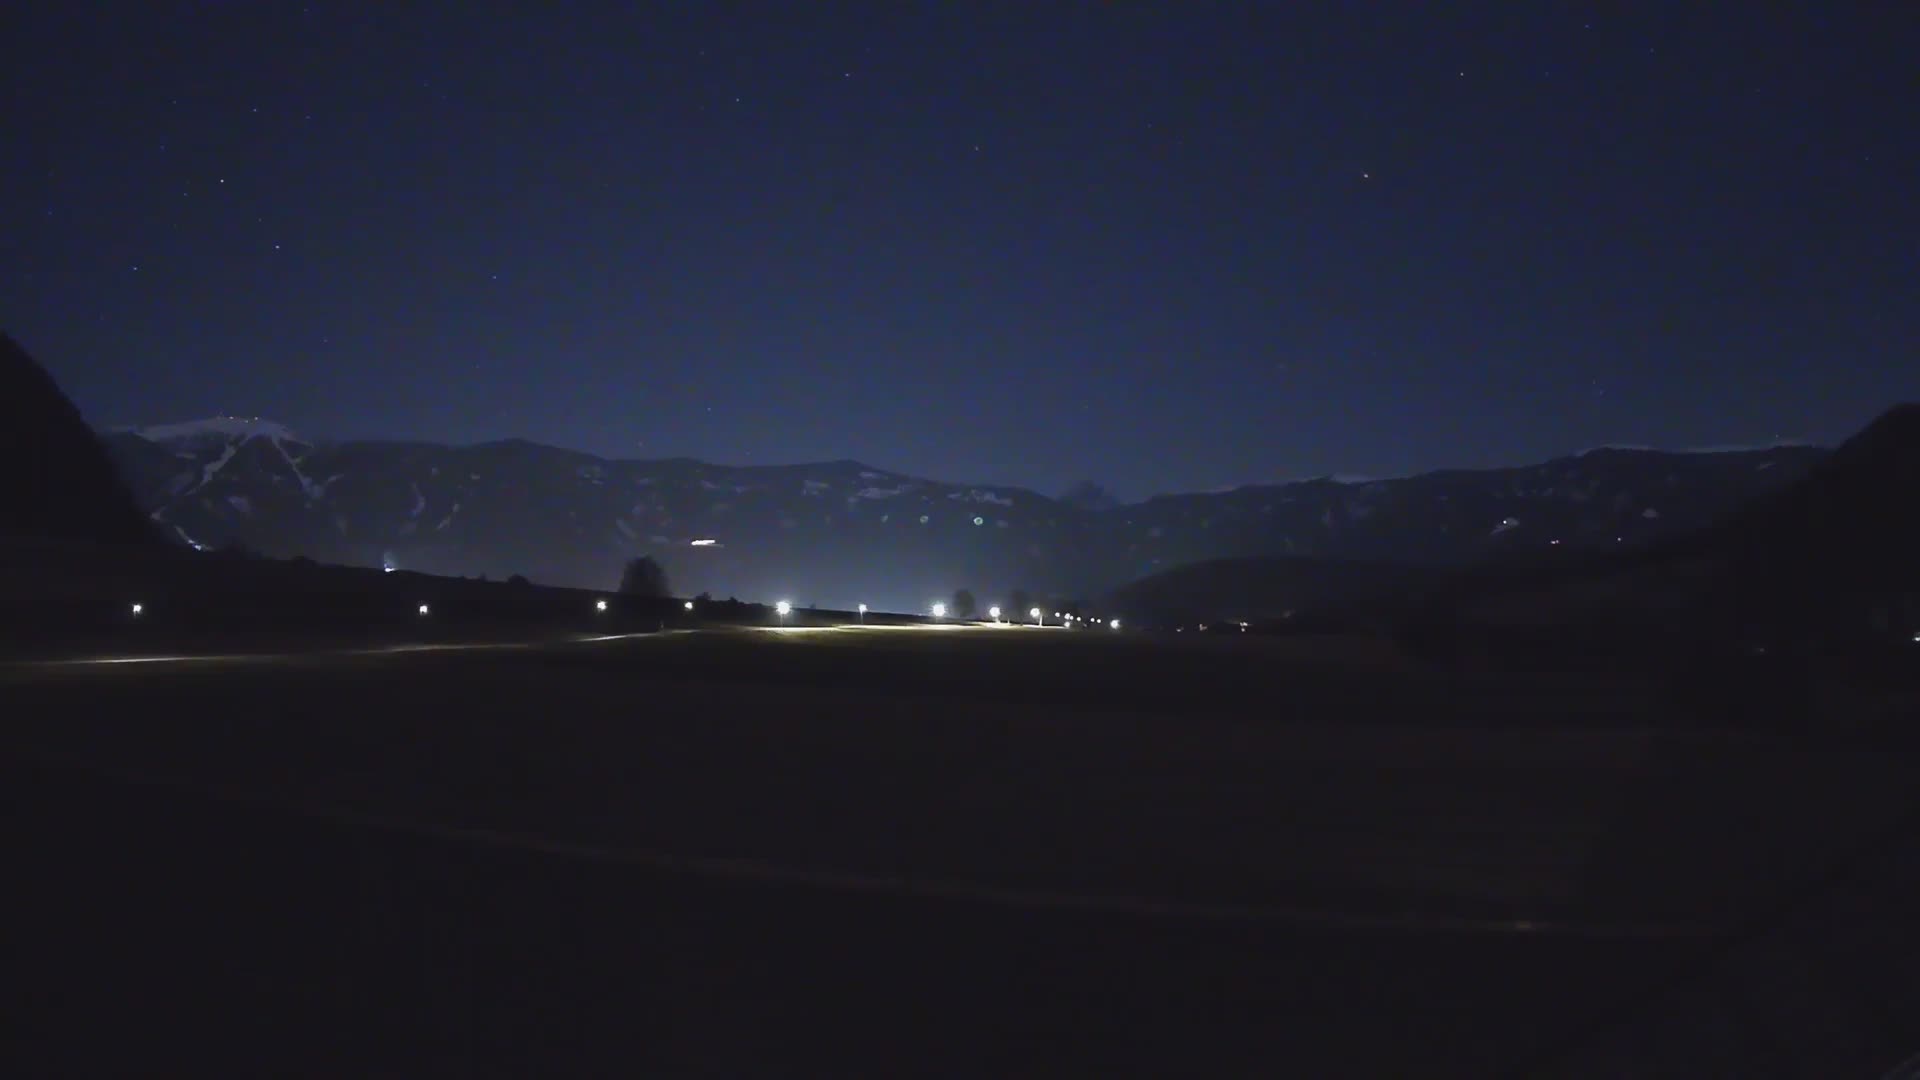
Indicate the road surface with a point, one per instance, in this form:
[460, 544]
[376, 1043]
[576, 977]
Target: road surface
[904, 850]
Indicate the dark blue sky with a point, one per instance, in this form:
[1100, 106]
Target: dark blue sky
[1165, 246]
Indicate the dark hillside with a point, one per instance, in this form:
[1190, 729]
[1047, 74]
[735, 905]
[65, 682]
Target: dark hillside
[60, 483]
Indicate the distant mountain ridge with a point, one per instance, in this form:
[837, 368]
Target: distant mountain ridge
[843, 532]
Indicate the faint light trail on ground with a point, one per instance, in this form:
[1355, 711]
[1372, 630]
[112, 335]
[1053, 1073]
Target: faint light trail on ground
[1026, 898]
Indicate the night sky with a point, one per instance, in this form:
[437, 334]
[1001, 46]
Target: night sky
[1164, 246]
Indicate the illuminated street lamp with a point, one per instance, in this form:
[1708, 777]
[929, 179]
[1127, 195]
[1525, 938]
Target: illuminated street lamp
[688, 605]
[994, 613]
[939, 610]
[783, 609]
[1035, 616]
[863, 613]
[599, 605]
[1115, 624]
[137, 609]
[423, 609]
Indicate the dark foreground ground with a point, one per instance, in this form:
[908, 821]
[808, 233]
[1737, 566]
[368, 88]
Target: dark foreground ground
[899, 852]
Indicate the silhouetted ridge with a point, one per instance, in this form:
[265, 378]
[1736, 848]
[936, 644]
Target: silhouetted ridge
[60, 483]
[1853, 519]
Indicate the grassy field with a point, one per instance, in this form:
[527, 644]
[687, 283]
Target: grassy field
[1084, 847]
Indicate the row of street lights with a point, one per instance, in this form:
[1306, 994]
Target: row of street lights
[783, 609]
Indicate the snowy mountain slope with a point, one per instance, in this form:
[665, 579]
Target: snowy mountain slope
[840, 532]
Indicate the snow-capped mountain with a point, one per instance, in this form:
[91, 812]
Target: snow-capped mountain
[838, 532]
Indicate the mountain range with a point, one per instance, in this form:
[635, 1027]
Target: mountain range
[841, 532]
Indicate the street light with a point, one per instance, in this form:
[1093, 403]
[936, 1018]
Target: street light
[688, 605]
[1115, 624]
[863, 613]
[1035, 616]
[423, 609]
[994, 613]
[599, 605]
[939, 610]
[137, 609]
[783, 609]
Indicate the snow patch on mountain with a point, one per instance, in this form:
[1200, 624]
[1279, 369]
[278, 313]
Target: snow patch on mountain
[883, 493]
[419, 501]
[976, 495]
[312, 490]
[213, 468]
[231, 427]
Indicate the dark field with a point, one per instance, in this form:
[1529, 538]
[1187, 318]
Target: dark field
[884, 851]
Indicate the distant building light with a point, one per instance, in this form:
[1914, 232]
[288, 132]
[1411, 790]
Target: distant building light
[423, 609]
[137, 609]
[599, 605]
[705, 542]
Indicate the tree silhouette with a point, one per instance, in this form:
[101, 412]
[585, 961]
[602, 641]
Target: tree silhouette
[963, 604]
[643, 577]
